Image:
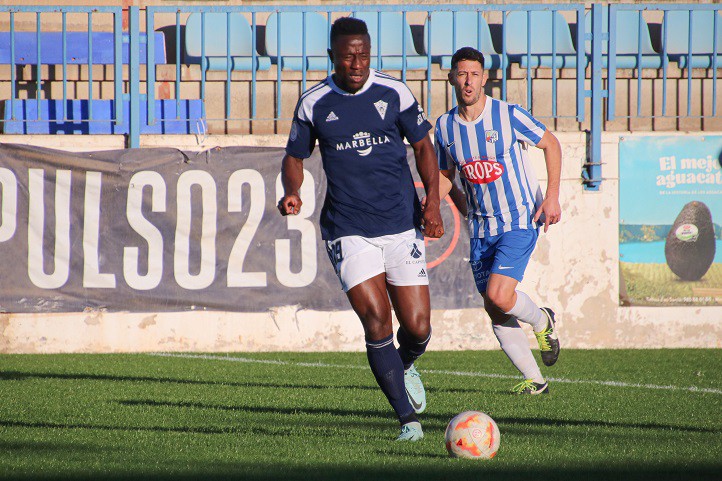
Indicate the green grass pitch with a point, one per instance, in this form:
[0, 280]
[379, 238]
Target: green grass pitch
[611, 415]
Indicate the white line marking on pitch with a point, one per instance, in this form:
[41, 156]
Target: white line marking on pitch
[436, 371]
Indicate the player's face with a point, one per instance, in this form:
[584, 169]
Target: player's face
[468, 79]
[351, 56]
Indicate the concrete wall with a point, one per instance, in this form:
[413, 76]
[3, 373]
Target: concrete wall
[574, 269]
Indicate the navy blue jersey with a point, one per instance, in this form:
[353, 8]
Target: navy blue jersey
[370, 190]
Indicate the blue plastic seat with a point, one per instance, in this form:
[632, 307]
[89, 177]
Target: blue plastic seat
[702, 38]
[291, 51]
[627, 41]
[471, 31]
[393, 30]
[218, 43]
[76, 48]
[77, 113]
[542, 41]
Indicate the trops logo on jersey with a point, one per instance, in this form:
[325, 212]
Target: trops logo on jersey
[482, 171]
[363, 142]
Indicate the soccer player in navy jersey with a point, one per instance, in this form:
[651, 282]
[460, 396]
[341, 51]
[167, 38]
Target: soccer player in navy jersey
[485, 140]
[371, 219]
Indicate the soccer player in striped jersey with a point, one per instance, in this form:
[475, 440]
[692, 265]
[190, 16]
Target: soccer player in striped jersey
[485, 140]
[371, 219]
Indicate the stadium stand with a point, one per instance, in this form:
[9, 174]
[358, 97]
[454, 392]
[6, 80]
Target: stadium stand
[51, 48]
[213, 41]
[290, 50]
[46, 117]
[447, 31]
[540, 24]
[394, 40]
[702, 49]
[627, 36]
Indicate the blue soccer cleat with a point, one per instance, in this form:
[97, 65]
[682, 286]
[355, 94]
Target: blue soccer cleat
[411, 432]
[415, 389]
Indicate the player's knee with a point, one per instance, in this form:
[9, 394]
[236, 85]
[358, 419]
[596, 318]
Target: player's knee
[499, 300]
[419, 329]
[376, 324]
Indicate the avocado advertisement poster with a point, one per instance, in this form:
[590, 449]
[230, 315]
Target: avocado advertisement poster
[670, 220]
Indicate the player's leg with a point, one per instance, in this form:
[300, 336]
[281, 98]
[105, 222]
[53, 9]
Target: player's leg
[513, 251]
[371, 303]
[407, 284]
[496, 289]
[360, 268]
[511, 337]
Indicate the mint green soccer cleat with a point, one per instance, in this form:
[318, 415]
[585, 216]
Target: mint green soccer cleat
[548, 339]
[411, 432]
[527, 386]
[415, 389]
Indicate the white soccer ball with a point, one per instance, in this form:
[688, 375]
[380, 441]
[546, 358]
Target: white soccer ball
[472, 434]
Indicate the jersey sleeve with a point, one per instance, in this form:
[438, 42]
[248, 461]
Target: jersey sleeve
[445, 163]
[302, 137]
[526, 127]
[412, 119]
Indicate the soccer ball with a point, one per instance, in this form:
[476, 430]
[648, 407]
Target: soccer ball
[472, 434]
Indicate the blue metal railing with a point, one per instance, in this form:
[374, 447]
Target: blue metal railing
[599, 45]
[615, 10]
[39, 11]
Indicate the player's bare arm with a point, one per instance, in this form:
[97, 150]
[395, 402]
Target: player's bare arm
[291, 178]
[553, 157]
[426, 165]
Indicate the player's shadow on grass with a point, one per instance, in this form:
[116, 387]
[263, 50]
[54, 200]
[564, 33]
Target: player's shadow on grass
[599, 424]
[22, 376]
[383, 416]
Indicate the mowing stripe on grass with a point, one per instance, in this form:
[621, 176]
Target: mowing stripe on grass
[437, 371]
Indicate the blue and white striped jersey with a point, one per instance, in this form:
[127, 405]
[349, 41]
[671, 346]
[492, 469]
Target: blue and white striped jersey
[502, 191]
[370, 191]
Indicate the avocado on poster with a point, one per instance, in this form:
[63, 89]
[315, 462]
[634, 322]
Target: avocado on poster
[690, 245]
[670, 220]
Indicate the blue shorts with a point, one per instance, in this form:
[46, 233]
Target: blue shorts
[506, 254]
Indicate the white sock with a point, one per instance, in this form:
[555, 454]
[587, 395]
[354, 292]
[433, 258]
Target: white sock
[515, 345]
[526, 311]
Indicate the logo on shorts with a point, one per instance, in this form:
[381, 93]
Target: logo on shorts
[422, 273]
[502, 268]
[415, 252]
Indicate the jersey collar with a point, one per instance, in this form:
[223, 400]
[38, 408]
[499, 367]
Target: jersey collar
[481, 116]
[367, 85]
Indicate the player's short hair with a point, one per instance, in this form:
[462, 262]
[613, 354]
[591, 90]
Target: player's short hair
[348, 26]
[467, 53]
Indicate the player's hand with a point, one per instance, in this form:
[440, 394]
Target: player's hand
[423, 204]
[551, 210]
[290, 204]
[432, 224]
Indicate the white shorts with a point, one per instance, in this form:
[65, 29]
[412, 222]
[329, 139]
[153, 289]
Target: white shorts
[402, 256]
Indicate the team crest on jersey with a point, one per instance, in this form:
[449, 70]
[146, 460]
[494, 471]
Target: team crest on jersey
[363, 142]
[381, 108]
[491, 136]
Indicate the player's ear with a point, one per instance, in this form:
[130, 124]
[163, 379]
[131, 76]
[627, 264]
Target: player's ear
[330, 54]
